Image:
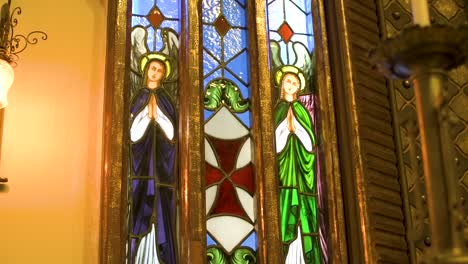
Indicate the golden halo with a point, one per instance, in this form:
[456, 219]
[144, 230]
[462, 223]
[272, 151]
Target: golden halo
[155, 56]
[290, 69]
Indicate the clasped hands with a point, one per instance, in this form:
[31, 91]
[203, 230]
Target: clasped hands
[152, 108]
[290, 121]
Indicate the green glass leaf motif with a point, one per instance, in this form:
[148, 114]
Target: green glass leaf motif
[224, 92]
[213, 96]
[216, 256]
[244, 256]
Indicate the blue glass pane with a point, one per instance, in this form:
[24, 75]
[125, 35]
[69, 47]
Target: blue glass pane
[308, 41]
[240, 66]
[250, 241]
[291, 53]
[142, 21]
[169, 8]
[207, 114]
[155, 42]
[159, 42]
[209, 239]
[241, 2]
[234, 41]
[151, 38]
[245, 118]
[209, 78]
[212, 40]
[284, 52]
[304, 5]
[210, 10]
[234, 13]
[170, 24]
[142, 7]
[244, 90]
[275, 15]
[296, 18]
[275, 36]
[310, 25]
[209, 63]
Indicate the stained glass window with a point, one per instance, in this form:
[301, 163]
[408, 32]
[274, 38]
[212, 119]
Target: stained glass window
[229, 175]
[153, 93]
[293, 73]
[230, 182]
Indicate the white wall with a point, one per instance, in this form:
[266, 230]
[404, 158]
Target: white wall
[51, 151]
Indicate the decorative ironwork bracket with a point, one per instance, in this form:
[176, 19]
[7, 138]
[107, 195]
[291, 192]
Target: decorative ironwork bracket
[12, 44]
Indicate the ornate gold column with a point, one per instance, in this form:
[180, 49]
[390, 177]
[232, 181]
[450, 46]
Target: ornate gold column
[268, 227]
[192, 193]
[112, 212]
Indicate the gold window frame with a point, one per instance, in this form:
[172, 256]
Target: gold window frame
[192, 246]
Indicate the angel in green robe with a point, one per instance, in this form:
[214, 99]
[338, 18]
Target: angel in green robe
[295, 148]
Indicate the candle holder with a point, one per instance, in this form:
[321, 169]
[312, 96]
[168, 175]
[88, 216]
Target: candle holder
[424, 55]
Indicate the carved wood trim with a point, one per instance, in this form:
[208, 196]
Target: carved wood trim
[372, 191]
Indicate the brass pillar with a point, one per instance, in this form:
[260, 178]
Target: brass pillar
[425, 54]
[428, 85]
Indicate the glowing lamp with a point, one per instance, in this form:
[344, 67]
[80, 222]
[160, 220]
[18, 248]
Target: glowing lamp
[10, 46]
[7, 75]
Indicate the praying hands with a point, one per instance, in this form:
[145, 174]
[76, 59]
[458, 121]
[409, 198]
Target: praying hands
[290, 118]
[152, 108]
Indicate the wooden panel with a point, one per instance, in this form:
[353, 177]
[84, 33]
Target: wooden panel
[377, 189]
[192, 237]
[379, 178]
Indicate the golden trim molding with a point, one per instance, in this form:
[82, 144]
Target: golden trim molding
[328, 139]
[112, 240]
[192, 170]
[268, 225]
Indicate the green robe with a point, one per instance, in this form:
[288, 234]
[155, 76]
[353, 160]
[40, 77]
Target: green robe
[298, 200]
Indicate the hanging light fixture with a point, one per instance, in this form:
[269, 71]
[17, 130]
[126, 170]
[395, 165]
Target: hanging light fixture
[11, 45]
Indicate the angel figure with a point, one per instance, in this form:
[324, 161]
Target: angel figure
[295, 148]
[153, 155]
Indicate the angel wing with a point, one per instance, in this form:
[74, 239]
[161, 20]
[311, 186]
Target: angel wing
[306, 62]
[303, 59]
[170, 42]
[171, 49]
[138, 48]
[276, 61]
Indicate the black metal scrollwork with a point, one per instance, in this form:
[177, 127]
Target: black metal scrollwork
[17, 43]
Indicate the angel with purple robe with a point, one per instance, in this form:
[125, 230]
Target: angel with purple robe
[153, 155]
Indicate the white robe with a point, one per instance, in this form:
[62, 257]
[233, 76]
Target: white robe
[282, 132]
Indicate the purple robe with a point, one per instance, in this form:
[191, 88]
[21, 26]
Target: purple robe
[153, 194]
